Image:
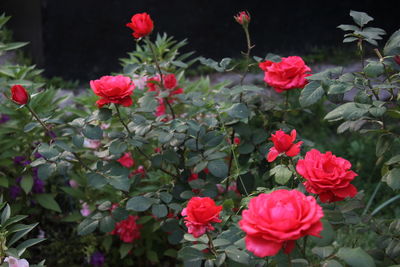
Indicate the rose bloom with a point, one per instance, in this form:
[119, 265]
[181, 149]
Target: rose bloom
[288, 74]
[200, 213]
[141, 24]
[327, 175]
[127, 229]
[19, 94]
[243, 17]
[283, 143]
[276, 220]
[170, 81]
[113, 89]
[14, 262]
[126, 160]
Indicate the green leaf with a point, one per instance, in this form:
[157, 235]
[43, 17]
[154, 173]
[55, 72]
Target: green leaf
[104, 114]
[282, 174]
[30, 126]
[47, 201]
[339, 88]
[124, 249]
[218, 168]
[13, 220]
[107, 224]
[361, 18]
[93, 132]
[245, 148]
[348, 111]
[311, 93]
[355, 257]
[393, 160]
[383, 144]
[118, 147]
[237, 255]
[331, 263]
[5, 215]
[21, 232]
[96, 180]
[139, 203]
[121, 182]
[392, 46]
[323, 252]
[392, 178]
[87, 226]
[28, 243]
[189, 254]
[27, 183]
[78, 140]
[239, 110]
[328, 235]
[165, 197]
[46, 170]
[374, 69]
[47, 151]
[159, 210]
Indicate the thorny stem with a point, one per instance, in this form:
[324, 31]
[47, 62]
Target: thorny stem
[247, 58]
[211, 245]
[153, 52]
[381, 59]
[40, 121]
[121, 120]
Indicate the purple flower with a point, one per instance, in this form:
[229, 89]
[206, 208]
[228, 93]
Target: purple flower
[38, 155]
[15, 191]
[97, 259]
[21, 160]
[51, 134]
[38, 186]
[4, 118]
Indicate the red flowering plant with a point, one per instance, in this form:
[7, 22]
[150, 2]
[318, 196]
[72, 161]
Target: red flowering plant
[161, 169]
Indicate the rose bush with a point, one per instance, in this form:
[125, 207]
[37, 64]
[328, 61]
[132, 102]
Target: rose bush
[203, 192]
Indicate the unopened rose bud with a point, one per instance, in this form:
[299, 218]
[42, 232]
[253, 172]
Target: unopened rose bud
[236, 141]
[243, 18]
[19, 94]
[397, 59]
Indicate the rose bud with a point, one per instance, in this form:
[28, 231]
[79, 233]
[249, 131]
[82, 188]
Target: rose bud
[243, 18]
[19, 94]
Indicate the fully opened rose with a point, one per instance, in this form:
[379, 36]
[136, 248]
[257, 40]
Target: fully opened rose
[327, 175]
[113, 89]
[276, 220]
[288, 74]
[283, 144]
[126, 160]
[200, 213]
[141, 24]
[128, 230]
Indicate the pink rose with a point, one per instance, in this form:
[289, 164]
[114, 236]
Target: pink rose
[200, 213]
[327, 175]
[283, 143]
[113, 89]
[288, 74]
[276, 220]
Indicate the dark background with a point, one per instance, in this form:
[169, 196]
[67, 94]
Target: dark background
[83, 39]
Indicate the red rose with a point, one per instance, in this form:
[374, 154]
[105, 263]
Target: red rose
[236, 141]
[288, 74]
[126, 160]
[276, 220]
[243, 18]
[113, 89]
[397, 59]
[19, 94]
[200, 213]
[283, 143]
[141, 24]
[327, 175]
[170, 81]
[127, 230]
